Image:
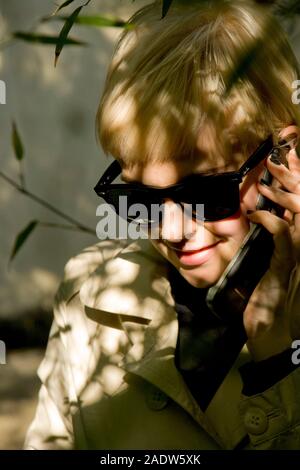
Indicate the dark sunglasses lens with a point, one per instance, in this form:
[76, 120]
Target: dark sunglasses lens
[209, 202]
[226, 205]
[216, 213]
[135, 205]
[216, 199]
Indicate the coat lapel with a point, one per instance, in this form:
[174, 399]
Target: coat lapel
[131, 292]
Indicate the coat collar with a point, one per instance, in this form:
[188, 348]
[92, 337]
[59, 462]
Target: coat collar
[131, 291]
[130, 282]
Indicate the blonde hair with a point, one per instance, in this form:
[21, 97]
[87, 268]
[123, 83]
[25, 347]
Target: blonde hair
[166, 83]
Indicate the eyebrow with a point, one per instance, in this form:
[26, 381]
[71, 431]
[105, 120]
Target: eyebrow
[126, 180]
[219, 169]
[129, 181]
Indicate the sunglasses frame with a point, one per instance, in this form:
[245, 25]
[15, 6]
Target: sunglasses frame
[114, 170]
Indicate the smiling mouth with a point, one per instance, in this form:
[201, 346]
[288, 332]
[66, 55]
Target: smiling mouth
[190, 252]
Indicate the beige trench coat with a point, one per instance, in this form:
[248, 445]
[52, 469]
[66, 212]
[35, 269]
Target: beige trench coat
[109, 379]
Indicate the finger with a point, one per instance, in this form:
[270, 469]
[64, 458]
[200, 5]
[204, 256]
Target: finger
[294, 163]
[288, 216]
[290, 180]
[271, 222]
[285, 199]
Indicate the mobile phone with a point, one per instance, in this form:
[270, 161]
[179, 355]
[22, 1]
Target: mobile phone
[228, 298]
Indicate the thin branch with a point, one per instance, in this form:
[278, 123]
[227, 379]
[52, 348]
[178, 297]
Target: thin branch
[46, 204]
[62, 226]
[21, 176]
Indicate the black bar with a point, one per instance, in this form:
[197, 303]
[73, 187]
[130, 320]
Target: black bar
[145, 458]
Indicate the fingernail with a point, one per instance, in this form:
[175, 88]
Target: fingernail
[264, 182]
[274, 159]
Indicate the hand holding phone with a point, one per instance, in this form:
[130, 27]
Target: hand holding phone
[229, 297]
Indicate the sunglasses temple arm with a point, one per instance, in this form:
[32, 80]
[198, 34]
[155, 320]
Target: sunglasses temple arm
[111, 173]
[262, 152]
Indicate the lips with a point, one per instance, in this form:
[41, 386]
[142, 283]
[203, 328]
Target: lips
[195, 257]
[193, 251]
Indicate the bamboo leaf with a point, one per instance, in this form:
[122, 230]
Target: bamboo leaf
[22, 237]
[63, 5]
[45, 39]
[64, 33]
[165, 7]
[17, 143]
[100, 21]
[91, 20]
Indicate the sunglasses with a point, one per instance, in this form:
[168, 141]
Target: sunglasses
[218, 193]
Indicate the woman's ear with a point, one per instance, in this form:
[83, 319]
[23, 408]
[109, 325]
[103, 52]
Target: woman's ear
[290, 133]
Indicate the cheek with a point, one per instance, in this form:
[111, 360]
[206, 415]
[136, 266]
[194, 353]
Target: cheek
[248, 190]
[235, 227]
[249, 199]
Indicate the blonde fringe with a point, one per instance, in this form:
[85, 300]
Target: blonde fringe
[166, 82]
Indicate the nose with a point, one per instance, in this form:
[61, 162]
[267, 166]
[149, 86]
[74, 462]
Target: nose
[177, 222]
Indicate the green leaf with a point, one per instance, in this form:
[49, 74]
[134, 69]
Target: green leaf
[63, 5]
[64, 33]
[16, 142]
[44, 39]
[92, 20]
[165, 7]
[22, 237]
[100, 21]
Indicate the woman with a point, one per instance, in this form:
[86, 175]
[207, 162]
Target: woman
[134, 354]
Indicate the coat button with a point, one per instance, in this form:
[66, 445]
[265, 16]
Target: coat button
[156, 399]
[255, 420]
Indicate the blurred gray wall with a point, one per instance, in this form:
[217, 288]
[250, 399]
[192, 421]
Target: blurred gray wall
[55, 112]
[54, 109]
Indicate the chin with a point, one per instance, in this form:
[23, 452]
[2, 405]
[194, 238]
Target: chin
[197, 282]
[202, 280]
